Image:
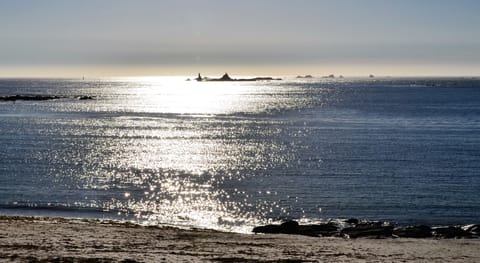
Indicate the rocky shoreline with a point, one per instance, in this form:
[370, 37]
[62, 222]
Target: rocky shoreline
[354, 228]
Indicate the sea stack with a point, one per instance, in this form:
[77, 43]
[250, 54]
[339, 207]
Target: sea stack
[225, 77]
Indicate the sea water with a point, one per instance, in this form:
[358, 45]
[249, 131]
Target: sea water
[231, 155]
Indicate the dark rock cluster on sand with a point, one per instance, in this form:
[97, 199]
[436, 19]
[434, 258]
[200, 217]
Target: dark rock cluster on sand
[353, 228]
[41, 97]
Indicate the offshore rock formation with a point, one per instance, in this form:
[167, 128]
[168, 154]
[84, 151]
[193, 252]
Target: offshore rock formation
[41, 97]
[226, 77]
[304, 77]
[331, 76]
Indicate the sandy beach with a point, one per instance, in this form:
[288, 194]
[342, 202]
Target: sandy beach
[28, 239]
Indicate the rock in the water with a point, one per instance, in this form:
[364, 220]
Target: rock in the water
[352, 221]
[377, 229]
[29, 97]
[320, 230]
[304, 77]
[413, 231]
[41, 97]
[474, 229]
[450, 232]
[292, 227]
[267, 229]
[227, 77]
[289, 227]
[374, 229]
[85, 98]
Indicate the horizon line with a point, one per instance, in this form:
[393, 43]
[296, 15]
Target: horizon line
[86, 77]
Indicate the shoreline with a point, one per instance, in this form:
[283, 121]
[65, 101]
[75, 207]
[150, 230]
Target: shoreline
[42, 239]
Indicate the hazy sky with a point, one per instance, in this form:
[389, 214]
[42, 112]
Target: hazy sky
[159, 37]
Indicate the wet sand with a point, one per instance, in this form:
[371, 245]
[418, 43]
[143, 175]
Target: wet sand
[27, 239]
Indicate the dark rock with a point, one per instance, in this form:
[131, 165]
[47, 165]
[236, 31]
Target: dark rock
[267, 229]
[413, 231]
[320, 230]
[304, 77]
[41, 97]
[450, 232]
[29, 97]
[292, 227]
[86, 98]
[352, 221]
[226, 77]
[258, 79]
[289, 227]
[473, 229]
[371, 229]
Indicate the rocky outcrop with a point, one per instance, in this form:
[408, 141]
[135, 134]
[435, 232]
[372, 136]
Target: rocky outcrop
[85, 97]
[226, 77]
[354, 228]
[42, 97]
[289, 227]
[369, 229]
[29, 97]
[292, 227]
[304, 77]
[420, 231]
[331, 76]
[473, 229]
[450, 232]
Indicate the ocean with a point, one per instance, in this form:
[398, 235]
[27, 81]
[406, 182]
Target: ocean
[232, 155]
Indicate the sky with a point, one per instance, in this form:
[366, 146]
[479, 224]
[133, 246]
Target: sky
[68, 38]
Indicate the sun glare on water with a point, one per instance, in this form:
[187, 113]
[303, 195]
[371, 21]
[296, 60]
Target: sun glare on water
[172, 146]
[178, 96]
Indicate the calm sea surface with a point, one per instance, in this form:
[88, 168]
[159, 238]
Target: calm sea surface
[232, 155]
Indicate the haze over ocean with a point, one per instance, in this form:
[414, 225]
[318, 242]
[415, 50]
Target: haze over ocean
[54, 38]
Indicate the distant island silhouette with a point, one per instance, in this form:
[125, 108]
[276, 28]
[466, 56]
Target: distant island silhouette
[304, 77]
[226, 77]
[331, 76]
[42, 97]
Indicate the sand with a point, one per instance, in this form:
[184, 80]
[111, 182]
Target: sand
[27, 239]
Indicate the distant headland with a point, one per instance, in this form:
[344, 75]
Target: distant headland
[226, 77]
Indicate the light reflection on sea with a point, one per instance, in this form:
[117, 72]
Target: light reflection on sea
[161, 150]
[231, 155]
[184, 161]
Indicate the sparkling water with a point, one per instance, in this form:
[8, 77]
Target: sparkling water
[231, 155]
